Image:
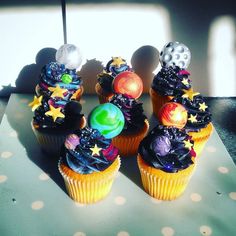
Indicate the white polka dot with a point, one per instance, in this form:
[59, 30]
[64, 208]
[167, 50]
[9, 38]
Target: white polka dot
[195, 197]
[205, 230]
[79, 234]
[79, 204]
[82, 101]
[156, 201]
[3, 178]
[37, 205]
[211, 149]
[24, 100]
[123, 233]
[167, 231]
[232, 195]
[223, 170]
[120, 200]
[13, 134]
[6, 154]
[43, 176]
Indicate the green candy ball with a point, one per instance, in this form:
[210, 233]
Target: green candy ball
[108, 119]
[66, 79]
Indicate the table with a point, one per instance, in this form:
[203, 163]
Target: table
[33, 199]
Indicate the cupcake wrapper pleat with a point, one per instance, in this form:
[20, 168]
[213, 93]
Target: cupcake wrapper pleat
[162, 185]
[89, 188]
[128, 143]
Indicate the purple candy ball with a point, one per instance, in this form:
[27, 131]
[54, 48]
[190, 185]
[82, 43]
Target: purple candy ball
[71, 141]
[161, 145]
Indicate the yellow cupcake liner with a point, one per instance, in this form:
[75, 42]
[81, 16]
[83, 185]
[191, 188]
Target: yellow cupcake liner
[89, 188]
[102, 95]
[158, 101]
[128, 143]
[163, 185]
[200, 138]
[51, 142]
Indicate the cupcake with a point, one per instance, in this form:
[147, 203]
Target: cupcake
[166, 162]
[88, 164]
[199, 124]
[173, 76]
[55, 116]
[136, 124]
[104, 88]
[54, 75]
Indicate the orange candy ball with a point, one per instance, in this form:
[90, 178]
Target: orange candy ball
[128, 83]
[173, 114]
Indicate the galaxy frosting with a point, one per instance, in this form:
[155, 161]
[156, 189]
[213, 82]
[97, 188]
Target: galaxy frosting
[114, 67]
[55, 113]
[87, 151]
[199, 115]
[132, 111]
[167, 148]
[54, 75]
[171, 81]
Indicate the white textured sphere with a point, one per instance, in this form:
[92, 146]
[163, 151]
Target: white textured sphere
[69, 55]
[175, 54]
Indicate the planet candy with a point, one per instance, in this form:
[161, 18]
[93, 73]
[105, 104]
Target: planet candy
[128, 83]
[107, 119]
[173, 114]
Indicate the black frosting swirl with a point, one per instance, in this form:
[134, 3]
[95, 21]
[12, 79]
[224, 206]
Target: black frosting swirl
[170, 81]
[132, 111]
[51, 76]
[71, 110]
[81, 159]
[164, 148]
[203, 117]
[110, 71]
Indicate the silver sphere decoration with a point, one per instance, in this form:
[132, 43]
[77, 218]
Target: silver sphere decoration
[69, 55]
[175, 54]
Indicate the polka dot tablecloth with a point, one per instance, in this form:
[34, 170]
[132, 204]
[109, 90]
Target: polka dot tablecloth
[33, 199]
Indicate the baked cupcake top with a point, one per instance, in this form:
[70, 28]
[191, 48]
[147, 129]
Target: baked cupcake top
[167, 148]
[87, 151]
[171, 81]
[53, 112]
[132, 111]
[114, 67]
[54, 75]
[199, 115]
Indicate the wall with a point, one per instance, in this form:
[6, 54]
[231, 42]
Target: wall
[31, 32]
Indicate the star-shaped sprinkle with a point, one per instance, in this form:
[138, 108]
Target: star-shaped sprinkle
[57, 91]
[36, 103]
[188, 144]
[189, 94]
[95, 150]
[192, 118]
[75, 95]
[185, 81]
[117, 61]
[54, 113]
[202, 106]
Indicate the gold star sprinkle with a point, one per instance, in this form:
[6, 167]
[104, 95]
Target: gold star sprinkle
[117, 61]
[95, 150]
[192, 118]
[57, 91]
[202, 106]
[185, 81]
[36, 103]
[187, 144]
[54, 113]
[189, 94]
[77, 92]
